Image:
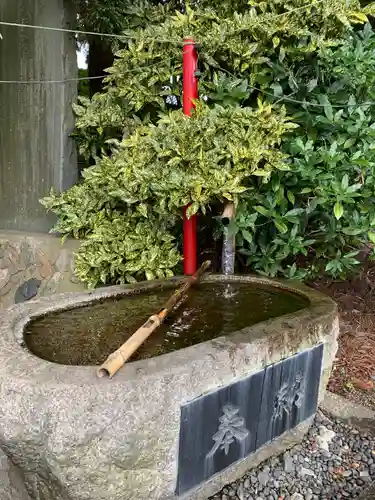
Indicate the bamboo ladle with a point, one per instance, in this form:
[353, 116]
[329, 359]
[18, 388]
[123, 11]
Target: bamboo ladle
[119, 357]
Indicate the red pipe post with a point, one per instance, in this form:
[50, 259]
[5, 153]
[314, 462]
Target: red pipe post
[190, 94]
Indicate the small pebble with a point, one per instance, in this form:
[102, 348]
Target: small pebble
[297, 496]
[306, 472]
[288, 463]
[263, 478]
[277, 473]
[241, 492]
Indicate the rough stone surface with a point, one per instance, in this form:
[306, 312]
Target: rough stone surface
[345, 409]
[37, 151]
[11, 483]
[75, 436]
[34, 265]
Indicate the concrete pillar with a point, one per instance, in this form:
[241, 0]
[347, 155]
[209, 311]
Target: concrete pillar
[36, 120]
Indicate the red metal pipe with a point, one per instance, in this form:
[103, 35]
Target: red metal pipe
[190, 94]
[189, 82]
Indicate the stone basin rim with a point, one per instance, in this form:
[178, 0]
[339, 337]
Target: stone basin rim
[14, 356]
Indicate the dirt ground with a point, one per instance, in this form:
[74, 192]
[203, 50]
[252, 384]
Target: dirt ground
[354, 367]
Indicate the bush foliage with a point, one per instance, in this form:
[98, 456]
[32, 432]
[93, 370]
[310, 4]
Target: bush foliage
[130, 201]
[301, 174]
[324, 206]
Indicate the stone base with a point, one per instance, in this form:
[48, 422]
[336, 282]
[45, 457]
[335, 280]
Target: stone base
[75, 436]
[351, 413]
[33, 265]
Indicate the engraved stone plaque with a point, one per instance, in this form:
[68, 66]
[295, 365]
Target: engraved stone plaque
[290, 394]
[226, 425]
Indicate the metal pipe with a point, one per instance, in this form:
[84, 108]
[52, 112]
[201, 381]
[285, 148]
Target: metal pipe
[229, 240]
[190, 94]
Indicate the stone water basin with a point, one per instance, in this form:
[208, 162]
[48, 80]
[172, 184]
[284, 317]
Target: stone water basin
[233, 377]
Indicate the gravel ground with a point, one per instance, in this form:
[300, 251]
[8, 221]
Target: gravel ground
[335, 461]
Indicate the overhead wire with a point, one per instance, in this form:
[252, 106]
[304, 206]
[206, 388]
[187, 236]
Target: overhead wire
[34, 82]
[304, 102]
[89, 33]
[77, 32]
[113, 35]
[80, 79]
[64, 30]
[30, 106]
[313, 104]
[125, 37]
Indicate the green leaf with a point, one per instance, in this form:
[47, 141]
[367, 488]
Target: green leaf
[371, 237]
[352, 103]
[330, 266]
[192, 209]
[349, 143]
[142, 208]
[327, 106]
[294, 212]
[262, 210]
[338, 210]
[277, 89]
[312, 84]
[291, 197]
[360, 16]
[352, 231]
[283, 228]
[261, 173]
[247, 235]
[150, 275]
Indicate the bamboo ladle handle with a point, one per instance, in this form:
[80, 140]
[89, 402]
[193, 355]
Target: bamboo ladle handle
[119, 357]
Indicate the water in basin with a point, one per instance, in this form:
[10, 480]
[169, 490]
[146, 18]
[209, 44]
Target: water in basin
[87, 335]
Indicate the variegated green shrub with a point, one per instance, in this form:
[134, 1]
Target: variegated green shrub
[129, 202]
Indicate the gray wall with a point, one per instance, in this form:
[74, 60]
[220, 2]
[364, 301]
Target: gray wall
[35, 120]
